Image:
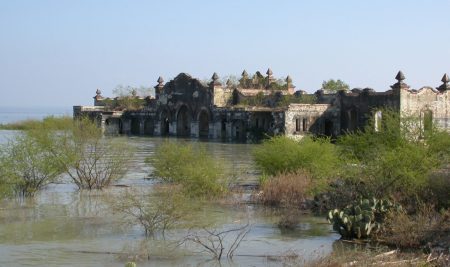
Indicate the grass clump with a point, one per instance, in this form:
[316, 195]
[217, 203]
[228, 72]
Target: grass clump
[192, 167]
[285, 190]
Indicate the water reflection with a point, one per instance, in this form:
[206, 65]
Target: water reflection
[64, 227]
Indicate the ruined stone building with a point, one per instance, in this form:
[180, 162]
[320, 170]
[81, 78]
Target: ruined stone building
[260, 105]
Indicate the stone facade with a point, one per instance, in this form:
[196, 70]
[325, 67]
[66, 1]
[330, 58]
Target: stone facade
[186, 107]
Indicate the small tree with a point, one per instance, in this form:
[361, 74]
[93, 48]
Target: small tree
[334, 85]
[91, 160]
[27, 166]
[158, 212]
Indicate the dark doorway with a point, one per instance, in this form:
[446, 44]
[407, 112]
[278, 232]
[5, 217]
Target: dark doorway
[203, 124]
[135, 126]
[183, 122]
[164, 123]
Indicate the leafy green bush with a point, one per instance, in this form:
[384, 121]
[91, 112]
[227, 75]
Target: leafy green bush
[282, 154]
[199, 173]
[396, 159]
[27, 166]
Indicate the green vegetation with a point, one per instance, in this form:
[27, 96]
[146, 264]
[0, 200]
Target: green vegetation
[192, 167]
[399, 161]
[48, 148]
[57, 123]
[335, 85]
[28, 165]
[395, 159]
[318, 156]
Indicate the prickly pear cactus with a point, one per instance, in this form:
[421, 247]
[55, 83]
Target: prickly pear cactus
[360, 219]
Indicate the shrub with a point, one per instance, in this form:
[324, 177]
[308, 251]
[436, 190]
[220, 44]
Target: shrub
[286, 190]
[158, 212]
[284, 155]
[396, 159]
[200, 174]
[90, 160]
[426, 227]
[27, 167]
[360, 219]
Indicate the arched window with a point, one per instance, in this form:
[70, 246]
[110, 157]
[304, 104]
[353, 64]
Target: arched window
[377, 120]
[427, 120]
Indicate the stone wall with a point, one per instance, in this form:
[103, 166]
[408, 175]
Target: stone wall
[418, 103]
[304, 119]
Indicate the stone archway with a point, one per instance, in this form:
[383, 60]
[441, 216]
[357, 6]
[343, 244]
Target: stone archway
[183, 122]
[203, 124]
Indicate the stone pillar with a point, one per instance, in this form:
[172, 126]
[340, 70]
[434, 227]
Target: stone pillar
[194, 129]
[173, 128]
[157, 130]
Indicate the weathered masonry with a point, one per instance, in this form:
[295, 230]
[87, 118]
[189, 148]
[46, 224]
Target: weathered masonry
[260, 105]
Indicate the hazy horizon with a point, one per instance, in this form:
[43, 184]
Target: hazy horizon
[57, 53]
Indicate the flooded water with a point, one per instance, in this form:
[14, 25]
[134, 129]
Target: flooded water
[64, 227]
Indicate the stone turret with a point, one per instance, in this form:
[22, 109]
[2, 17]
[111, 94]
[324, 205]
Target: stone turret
[289, 84]
[445, 84]
[98, 98]
[159, 87]
[400, 84]
[221, 95]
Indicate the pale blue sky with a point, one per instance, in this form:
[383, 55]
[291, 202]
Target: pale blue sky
[56, 53]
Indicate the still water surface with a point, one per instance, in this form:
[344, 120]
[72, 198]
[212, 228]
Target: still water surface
[64, 227]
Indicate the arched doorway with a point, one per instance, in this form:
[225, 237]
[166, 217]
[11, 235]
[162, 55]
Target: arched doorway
[135, 128]
[148, 127]
[183, 122]
[203, 124]
[164, 123]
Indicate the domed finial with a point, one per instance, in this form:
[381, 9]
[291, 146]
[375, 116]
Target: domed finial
[445, 83]
[160, 80]
[269, 72]
[244, 74]
[98, 92]
[400, 76]
[215, 80]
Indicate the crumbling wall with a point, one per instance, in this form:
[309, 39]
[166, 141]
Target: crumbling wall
[417, 103]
